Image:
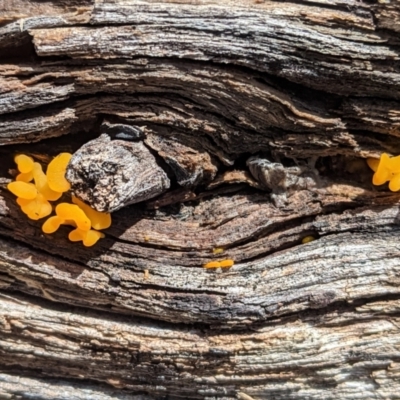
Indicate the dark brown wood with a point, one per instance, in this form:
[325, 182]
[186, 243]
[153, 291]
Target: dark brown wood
[256, 118]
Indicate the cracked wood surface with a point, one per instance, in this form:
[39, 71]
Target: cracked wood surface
[304, 356]
[205, 85]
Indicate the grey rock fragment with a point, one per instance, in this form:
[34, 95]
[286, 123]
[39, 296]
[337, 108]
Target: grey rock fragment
[110, 174]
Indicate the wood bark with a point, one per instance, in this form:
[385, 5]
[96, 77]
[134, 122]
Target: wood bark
[261, 114]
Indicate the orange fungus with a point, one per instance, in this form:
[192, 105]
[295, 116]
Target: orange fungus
[56, 173]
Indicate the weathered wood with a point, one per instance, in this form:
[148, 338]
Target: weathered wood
[339, 353]
[260, 113]
[111, 174]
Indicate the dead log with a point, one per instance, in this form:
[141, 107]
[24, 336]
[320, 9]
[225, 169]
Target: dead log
[257, 117]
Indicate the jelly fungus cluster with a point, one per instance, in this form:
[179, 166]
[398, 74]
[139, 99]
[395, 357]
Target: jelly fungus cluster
[34, 200]
[386, 169]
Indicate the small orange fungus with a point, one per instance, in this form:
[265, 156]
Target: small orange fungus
[386, 169]
[23, 202]
[92, 237]
[394, 165]
[89, 238]
[27, 177]
[382, 174]
[212, 264]
[218, 250]
[23, 190]
[394, 183]
[56, 173]
[42, 185]
[307, 239]
[98, 219]
[72, 212]
[24, 163]
[52, 224]
[219, 264]
[37, 208]
[373, 163]
[226, 263]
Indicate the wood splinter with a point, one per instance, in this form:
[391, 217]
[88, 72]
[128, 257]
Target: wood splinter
[110, 174]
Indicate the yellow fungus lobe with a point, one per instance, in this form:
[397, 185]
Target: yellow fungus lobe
[37, 208]
[394, 165]
[226, 263]
[382, 174]
[386, 169]
[373, 163]
[23, 202]
[394, 183]
[307, 239]
[23, 190]
[76, 235]
[73, 212]
[56, 173]
[212, 264]
[52, 224]
[24, 163]
[98, 219]
[42, 185]
[89, 238]
[24, 177]
[218, 250]
[219, 264]
[92, 238]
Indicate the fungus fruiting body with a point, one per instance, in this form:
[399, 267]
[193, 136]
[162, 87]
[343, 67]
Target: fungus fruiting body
[24, 163]
[23, 190]
[34, 199]
[226, 263]
[307, 239]
[66, 211]
[212, 264]
[25, 177]
[37, 208]
[99, 220]
[72, 214]
[218, 250]
[56, 173]
[219, 264]
[42, 185]
[52, 224]
[89, 238]
[373, 163]
[387, 169]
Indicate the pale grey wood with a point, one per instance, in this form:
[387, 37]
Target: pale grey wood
[354, 258]
[14, 386]
[340, 353]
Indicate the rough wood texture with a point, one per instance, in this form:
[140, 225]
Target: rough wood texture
[111, 174]
[260, 113]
